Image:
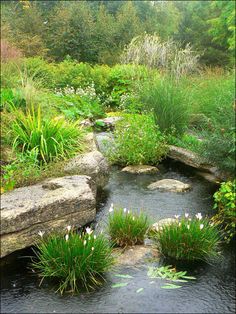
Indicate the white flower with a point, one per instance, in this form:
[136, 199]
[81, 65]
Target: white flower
[133, 218]
[111, 208]
[201, 226]
[88, 230]
[41, 233]
[66, 237]
[85, 242]
[188, 227]
[212, 224]
[125, 209]
[190, 219]
[177, 216]
[199, 216]
[186, 215]
[128, 211]
[179, 223]
[94, 237]
[68, 228]
[92, 248]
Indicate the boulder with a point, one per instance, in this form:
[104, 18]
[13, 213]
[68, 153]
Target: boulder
[160, 223]
[169, 185]
[45, 207]
[93, 164]
[105, 141]
[140, 169]
[189, 158]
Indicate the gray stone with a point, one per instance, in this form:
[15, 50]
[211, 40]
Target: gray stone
[90, 142]
[134, 255]
[86, 123]
[140, 169]
[105, 141]
[49, 206]
[93, 164]
[170, 185]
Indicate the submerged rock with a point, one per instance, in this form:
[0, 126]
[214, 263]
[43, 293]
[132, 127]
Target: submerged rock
[140, 169]
[170, 185]
[49, 206]
[93, 164]
[135, 255]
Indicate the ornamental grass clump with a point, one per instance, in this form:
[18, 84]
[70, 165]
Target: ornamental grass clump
[127, 228]
[75, 260]
[189, 239]
[53, 138]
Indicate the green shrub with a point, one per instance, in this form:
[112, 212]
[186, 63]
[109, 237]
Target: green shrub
[137, 141]
[168, 102]
[74, 260]
[53, 138]
[127, 228]
[189, 239]
[225, 200]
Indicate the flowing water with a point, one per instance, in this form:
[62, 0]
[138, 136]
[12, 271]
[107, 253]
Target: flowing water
[213, 291]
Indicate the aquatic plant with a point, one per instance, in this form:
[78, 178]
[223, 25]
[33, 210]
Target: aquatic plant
[126, 227]
[189, 239]
[225, 199]
[75, 260]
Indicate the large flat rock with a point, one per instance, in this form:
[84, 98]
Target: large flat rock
[49, 206]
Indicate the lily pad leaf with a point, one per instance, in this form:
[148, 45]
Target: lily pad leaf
[123, 276]
[139, 290]
[120, 284]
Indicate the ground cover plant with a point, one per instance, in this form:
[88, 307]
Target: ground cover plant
[74, 260]
[126, 227]
[225, 199]
[137, 141]
[189, 239]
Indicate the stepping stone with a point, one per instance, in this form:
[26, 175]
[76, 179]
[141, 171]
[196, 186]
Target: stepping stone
[140, 169]
[169, 185]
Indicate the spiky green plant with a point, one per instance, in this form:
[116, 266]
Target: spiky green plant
[54, 138]
[189, 239]
[126, 227]
[75, 260]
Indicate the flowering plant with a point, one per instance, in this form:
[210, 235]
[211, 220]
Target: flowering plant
[127, 228]
[74, 259]
[188, 238]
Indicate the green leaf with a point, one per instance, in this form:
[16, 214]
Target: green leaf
[123, 276]
[139, 290]
[170, 286]
[120, 284]
[189, 277]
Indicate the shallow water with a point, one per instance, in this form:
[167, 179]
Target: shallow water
[211, 292]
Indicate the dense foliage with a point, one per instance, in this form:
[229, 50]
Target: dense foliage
[98, 31]
[225, 199]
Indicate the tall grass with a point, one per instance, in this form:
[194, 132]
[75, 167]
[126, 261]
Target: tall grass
[53, 138]
[167, 100]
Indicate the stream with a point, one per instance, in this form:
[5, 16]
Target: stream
[213, 291]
